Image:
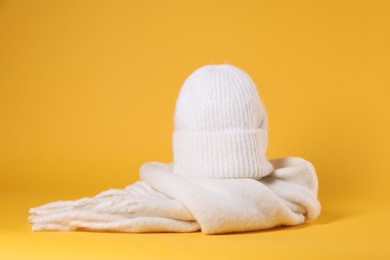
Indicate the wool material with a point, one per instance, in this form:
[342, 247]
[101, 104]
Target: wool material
[220, 180]
[220, 126]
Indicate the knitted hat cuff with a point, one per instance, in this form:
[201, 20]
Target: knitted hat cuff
[238, 154]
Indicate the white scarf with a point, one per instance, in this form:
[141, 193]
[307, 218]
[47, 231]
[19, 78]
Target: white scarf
[164, 202]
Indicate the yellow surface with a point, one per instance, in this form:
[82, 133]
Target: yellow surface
[87, 93]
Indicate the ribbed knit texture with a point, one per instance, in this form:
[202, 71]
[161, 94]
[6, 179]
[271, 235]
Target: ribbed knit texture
[220, 126]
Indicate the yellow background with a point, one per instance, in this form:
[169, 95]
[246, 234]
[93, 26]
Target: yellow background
[87, 94]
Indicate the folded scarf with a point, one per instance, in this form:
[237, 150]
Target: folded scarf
[164, 202]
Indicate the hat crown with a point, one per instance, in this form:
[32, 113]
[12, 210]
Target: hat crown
[219, 98]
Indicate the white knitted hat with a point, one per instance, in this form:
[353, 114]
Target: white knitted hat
[220, 126]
